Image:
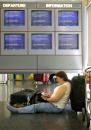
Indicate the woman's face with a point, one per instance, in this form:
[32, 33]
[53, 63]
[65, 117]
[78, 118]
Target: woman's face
[58, 79]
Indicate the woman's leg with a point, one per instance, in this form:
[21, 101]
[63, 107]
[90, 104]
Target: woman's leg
[39, 107]
[26, 109]
[47, 107]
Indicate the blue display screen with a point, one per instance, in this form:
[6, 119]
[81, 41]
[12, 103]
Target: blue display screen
[14, 17]
[68, 41]
[68, 18]
[41, 18]
[41, 41]
[14, 41]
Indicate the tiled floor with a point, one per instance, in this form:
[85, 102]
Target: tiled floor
[40, 121]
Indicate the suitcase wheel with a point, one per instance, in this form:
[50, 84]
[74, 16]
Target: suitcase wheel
[88, 121]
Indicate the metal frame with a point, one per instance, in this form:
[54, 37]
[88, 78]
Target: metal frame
[13, 52]
[40, 28]
[67, 51]
[41, 52]
[68, 28]
[13, 28]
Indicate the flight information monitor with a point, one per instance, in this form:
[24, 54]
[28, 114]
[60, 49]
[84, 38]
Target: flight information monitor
[14, 17]
[68, 41]
[41, 18]
[41, 41]
[68, 18]
[14, 41]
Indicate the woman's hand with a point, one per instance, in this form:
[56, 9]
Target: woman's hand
[44, 97]
[46, 94]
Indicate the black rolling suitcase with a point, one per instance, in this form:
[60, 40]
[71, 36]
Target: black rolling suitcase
[26, 96]
[78, 93]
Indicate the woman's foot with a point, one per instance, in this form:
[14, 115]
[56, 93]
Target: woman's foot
[12, 109]
[18, 105]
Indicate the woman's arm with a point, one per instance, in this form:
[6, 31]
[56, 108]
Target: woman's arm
[56, 96]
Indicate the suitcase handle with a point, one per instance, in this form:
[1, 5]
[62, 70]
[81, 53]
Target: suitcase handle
[88, 69]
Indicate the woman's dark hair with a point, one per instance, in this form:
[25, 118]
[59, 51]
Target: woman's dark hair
[62, 75]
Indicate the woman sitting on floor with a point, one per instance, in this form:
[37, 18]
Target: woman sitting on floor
[56, 101]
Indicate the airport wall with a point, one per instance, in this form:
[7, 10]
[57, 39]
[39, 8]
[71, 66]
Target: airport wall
[41, 36]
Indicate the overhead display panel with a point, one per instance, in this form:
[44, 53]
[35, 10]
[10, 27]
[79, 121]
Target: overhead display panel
[41, 43]
[13, 43]
[14, 17]
[68, 18]
[68, 43]
[14, 20]
[41, 20]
